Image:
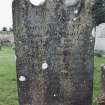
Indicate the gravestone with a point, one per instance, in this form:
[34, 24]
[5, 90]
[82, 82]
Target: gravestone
[101, 98]
[54, 50]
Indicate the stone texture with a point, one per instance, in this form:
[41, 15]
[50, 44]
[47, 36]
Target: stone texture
[54, 34]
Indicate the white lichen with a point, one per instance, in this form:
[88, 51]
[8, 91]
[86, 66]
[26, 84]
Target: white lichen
[22, 78]
[74, 19]
[44, 66]
[76, 11]
[54, 95]
[37, 2]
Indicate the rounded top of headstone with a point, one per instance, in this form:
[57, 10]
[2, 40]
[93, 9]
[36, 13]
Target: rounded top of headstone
[37, 2]
[71, 2]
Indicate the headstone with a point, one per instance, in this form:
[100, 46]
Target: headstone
[100, 38]
[54, 49]
[102, 96]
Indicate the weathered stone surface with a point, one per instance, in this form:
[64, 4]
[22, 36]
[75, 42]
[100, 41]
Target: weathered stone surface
[54, 50]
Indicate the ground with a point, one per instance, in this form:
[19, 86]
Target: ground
[8, 89]
[8, 95]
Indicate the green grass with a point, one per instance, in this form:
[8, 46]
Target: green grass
[8, 94]
[97, 78]
[8, 91]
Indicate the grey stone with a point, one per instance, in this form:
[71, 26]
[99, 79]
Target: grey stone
[63, 45]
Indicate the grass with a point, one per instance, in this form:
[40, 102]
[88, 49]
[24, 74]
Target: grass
[97, 78]
[8, 95]
[8, 91]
